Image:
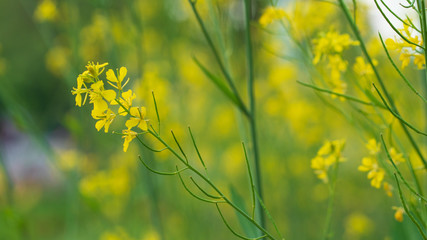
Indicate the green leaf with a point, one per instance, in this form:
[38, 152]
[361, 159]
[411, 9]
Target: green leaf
[248, 228]
[218, 83]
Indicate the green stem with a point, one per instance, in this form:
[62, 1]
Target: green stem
[252, 118]
[218, 58]
[213, 186]
[332, 187]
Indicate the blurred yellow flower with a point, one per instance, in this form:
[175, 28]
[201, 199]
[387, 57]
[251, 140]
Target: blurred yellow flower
[151, 235]
[118, 234]
[357, 225]
[373, 146]
[331, 43]
[57, 60]
[271, 14]
[363, 68]
[375, 172]
[408, 50]
[46, 11]
[395, 156]
[388, 189]
[328, 154]
[398, 215]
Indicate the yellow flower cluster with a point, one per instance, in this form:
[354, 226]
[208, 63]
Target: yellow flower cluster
[89, 83]
[375, 172]
[328, 155]
[329, 48]
[271, 14]
[407, 50]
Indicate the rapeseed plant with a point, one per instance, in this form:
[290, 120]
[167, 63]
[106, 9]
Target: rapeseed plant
[326, 56]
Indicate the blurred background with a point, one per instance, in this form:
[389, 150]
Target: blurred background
[62, 179]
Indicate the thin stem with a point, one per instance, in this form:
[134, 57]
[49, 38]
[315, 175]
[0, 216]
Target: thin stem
[252, 118]
[157, 111]
[231, 229]
[179, 146]
[397, 115]
[197, 150]
[161, 173]
[340, 95]
[202, 190]
[218, 58]
[332, 187]
[251, 181]
[400, 174]
[394, 28]
[420, 229]
[191, 168]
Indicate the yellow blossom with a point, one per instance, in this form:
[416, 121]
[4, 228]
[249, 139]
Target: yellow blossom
[373, 146]
[125, 102]
[375, 172]
[105, 118]
[137, 118]
[271, 14]
[408, 50]
[111, 76]
[46, 11]
[398, 215]
[128, 135]
[396, 157]
[388, 189]
[320, 168]
[98, 95]
[362, 68]
[79, 90]
[328, 154]
[95, 69]
[331, 43]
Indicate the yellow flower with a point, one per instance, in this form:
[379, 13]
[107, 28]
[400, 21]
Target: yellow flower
[407, 50]
[111, 76]
[98, 96]
[388, 189]
[79, 90]
[327, 155]
[128, 135]
[106, 118]
[396, 157]
[125, 102]
[398, 215]
[362, 68]
[46, 11]
[405, 58]
[137, 118]
[375, 172]
[320, 169]
[95, 70]
[331, 43]
[419, 60]
[271, 14]
[373, 146]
